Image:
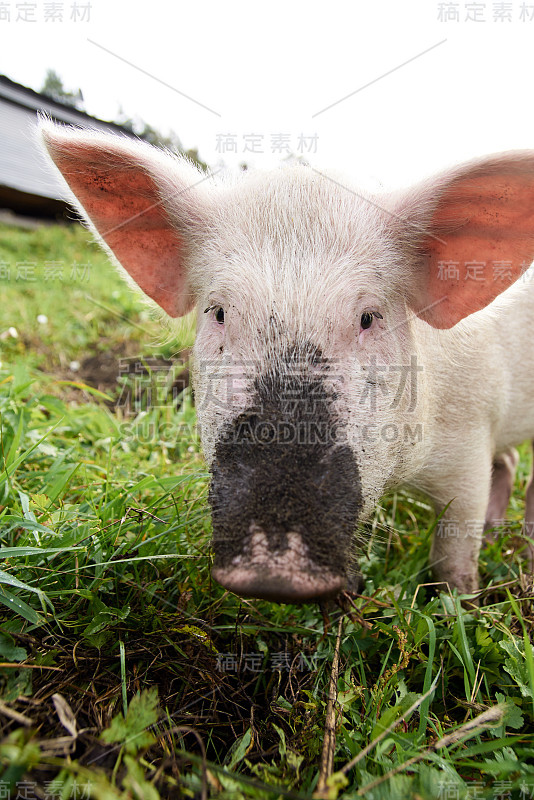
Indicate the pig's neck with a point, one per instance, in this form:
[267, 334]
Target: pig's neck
[475, 384]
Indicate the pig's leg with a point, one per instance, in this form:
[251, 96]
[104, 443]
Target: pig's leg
[502, 482]
[529, 521]
[456, 547]
[458, 535]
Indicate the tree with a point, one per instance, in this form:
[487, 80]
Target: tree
[153, 136]
[53, 88]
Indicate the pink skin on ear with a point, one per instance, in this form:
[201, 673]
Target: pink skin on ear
[481, 229]
[121, 199]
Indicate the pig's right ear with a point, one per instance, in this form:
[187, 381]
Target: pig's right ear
[466, 235]
[141, 202]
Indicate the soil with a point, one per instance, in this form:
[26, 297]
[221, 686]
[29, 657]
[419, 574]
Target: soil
[127, 378]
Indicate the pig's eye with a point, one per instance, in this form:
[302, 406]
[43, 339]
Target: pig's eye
[219, 313]
[366, 319]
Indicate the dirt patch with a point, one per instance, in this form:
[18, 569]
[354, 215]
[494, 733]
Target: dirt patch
[194, 693]
[133, 381]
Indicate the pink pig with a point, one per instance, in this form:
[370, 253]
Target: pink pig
[346, 344]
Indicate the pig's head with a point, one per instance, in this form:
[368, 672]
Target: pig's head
[307, 294]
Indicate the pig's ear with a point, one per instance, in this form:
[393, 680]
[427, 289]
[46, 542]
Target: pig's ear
[468, 235]
[141, 202]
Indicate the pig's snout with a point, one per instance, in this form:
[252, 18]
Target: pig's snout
[286, 575]
[285, 495]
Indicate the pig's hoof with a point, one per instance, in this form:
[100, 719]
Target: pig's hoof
[286, 575]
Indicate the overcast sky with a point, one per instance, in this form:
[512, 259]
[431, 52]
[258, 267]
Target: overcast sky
[388, 91]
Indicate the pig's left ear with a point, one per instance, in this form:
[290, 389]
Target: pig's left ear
[142, 203]
[467, 235]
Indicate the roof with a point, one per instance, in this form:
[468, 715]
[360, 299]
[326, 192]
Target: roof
[23, 167]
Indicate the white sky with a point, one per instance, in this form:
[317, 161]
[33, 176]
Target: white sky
[267, 68]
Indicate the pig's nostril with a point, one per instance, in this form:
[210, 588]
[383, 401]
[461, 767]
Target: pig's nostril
[286, 575]
[289, 587]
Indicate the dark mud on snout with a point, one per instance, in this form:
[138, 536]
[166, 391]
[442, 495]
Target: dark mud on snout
[281, 467]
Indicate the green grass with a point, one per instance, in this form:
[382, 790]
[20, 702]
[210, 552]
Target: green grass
[169, 686]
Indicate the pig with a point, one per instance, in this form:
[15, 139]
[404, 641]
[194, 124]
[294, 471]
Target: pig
[347, 344]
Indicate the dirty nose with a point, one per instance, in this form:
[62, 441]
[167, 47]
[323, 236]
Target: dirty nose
[285, 491]
[286, 574]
